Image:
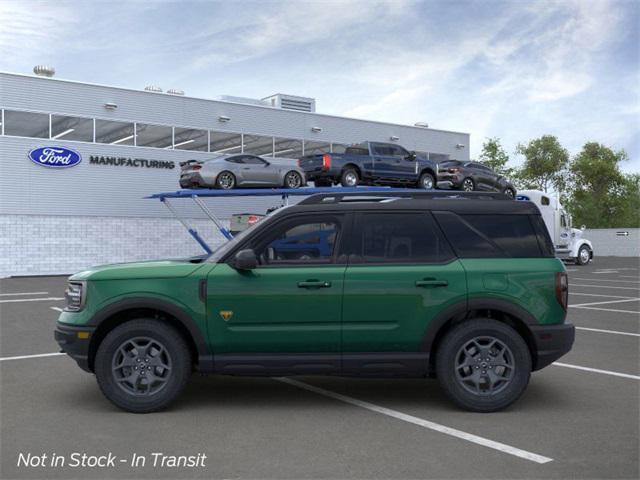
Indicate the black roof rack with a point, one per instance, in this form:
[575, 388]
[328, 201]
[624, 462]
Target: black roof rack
[338, 197]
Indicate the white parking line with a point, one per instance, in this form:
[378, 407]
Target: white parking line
[605, 280]
[605, 286]
[628, 276]
[608, 331]
[24, 357]
[14, 300]
[485, 442]
[23, 293]
[597, 295]
[610, 310]
[597, 370]
[57, 309]
[605, 302]
[605, 272]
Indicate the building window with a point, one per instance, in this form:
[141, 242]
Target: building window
[313, 148]
[114, 133]
[190, 139]
[71, 128]
[438, 157]
[157, 136]
[258, 145]
[287, 148]
[225, 143]
[26, 124]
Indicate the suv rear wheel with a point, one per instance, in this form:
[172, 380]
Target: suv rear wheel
[483, 365]
[468, 185]
[142, 365]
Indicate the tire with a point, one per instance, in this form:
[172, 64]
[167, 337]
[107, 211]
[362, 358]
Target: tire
[225, 180]
[349, 178]
[118, 347]
[293, 180]
[509, 192]
[468, 185]
[584, 255]
[426, 181]
[473, 395]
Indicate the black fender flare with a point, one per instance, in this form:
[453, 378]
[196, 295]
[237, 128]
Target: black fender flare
[459, 310]
[205, 358]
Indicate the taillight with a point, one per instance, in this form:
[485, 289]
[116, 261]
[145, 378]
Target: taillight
[454, 170]
[299, 163]
[562, 289]
[196, 167]
[326, 161]
[252, 219]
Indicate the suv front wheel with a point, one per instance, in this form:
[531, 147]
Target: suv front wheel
[142, 365]
[483, 365]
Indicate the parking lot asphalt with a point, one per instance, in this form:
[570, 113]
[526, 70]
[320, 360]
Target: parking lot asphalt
[578, 418]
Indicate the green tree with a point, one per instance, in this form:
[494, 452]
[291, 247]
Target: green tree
[601, 196]
[544, 165]
[493, 155]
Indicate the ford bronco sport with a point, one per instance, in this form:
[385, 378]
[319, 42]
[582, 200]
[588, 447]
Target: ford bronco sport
[465, 289]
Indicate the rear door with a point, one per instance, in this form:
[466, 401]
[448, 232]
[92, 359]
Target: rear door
[401, 274]
[383, 160]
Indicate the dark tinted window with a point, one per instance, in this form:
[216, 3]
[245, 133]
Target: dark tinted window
[544, 240]
[235, 160]
[514, 234]
[303, 241]
[251, 160]
[401, 238]
[356, 151]
[467, 242]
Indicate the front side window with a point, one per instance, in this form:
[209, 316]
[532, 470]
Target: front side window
[401, 238]
[26, 124]
[300, 242]
[253, 160]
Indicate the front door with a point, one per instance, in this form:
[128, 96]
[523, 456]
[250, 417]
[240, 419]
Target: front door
[256, 171]
[400, 276]
[292, 302]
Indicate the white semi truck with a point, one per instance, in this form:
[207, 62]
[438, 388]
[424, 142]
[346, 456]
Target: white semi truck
[567, 240]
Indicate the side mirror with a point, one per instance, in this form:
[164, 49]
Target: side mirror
[245, 260]
[583, 228]
[412, 156]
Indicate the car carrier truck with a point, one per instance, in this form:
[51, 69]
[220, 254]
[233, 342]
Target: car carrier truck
[567, 240]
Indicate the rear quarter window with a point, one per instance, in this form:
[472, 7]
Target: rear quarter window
[486, 236]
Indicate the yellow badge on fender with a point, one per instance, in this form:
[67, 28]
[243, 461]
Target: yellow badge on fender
[226, 314]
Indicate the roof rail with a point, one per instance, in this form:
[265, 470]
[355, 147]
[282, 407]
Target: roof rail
[337, 197]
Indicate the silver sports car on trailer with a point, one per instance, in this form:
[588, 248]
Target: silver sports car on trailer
[241, 170]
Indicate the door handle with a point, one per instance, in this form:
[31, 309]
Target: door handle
[431, 282]
[314, 284]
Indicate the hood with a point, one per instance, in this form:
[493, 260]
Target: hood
[576, 233]
[175, 268]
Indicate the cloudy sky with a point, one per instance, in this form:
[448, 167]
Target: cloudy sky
[515, 69]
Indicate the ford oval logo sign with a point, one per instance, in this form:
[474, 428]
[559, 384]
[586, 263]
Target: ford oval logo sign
[55, 157]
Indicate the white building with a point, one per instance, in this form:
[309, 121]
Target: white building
[60, 220]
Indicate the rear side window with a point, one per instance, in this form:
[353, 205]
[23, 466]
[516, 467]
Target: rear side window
[514, 234]
[483, 236]
[401, 238]
[544, 240]
[466, 241]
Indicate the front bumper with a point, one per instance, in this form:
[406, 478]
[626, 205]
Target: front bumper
[552, 342]
[74, 341]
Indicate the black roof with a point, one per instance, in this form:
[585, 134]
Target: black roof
[458, 202]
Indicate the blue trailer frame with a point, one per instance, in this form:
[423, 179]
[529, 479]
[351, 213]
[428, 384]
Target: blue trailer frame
[197, 194]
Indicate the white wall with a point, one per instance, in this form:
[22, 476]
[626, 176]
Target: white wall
[607, 242]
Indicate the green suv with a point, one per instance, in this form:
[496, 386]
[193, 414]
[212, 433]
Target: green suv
[465, 289]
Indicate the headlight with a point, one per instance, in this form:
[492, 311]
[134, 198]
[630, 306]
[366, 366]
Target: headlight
[74, 294]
